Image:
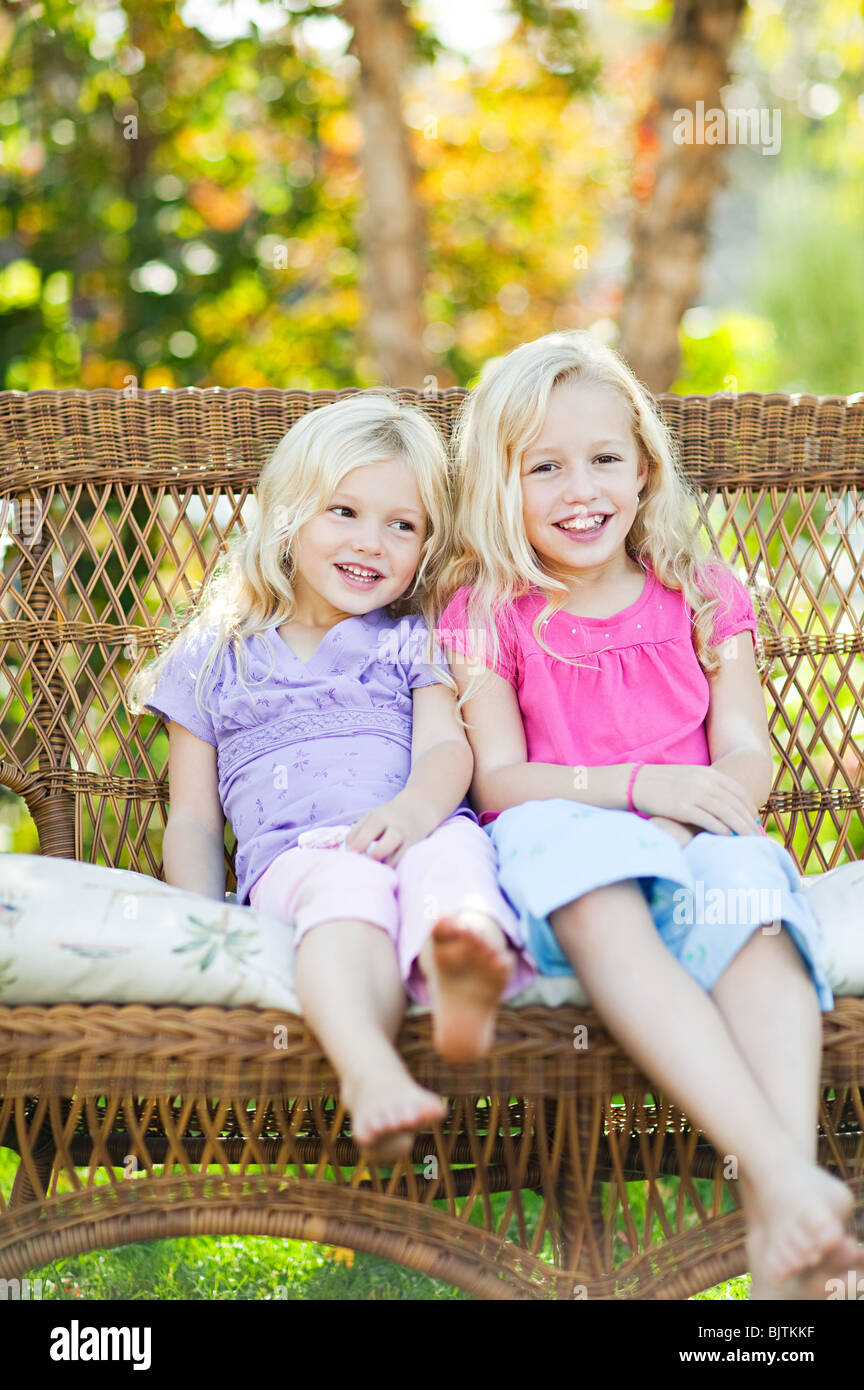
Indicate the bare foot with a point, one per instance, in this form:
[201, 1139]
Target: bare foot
[467, 965]
[798, 1233]
[387, 1112]
[814, 1284]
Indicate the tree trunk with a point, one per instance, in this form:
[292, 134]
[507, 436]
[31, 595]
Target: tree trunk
[675, 187]
[392, 225]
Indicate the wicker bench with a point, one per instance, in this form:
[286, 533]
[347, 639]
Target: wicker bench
[120, 501]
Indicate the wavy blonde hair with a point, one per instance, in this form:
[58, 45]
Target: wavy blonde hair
[252, 589]
[497, 423]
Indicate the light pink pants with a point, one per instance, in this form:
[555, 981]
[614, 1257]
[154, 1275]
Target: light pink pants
[454, 868]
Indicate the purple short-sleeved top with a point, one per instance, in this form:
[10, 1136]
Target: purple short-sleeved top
[319, 742]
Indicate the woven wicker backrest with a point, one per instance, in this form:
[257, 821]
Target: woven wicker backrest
[115, 505]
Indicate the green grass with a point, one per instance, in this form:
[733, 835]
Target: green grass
[253, 1268]
[235, 1268]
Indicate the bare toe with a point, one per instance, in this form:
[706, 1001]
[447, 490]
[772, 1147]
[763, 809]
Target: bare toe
[384, 1127]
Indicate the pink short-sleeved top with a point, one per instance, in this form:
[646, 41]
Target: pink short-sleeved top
[638, 694]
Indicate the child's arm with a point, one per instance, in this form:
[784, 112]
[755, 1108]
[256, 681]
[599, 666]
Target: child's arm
[712, 799]
[737, 729]
[503, 777]
[193, 847]
[737, 723]
[441, 766]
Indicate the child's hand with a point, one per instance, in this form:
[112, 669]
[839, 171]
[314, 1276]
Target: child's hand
[682, 833]
[387, 831]
[699, 796]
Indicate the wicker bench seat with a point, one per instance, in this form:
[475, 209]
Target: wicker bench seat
[558, 1172]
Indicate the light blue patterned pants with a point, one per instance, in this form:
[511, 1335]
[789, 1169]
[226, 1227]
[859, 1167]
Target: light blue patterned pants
[706, 898]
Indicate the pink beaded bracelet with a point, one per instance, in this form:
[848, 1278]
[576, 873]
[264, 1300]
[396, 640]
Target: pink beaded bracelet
[630, 805]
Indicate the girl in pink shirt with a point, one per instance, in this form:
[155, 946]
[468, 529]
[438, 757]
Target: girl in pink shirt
[621, 753]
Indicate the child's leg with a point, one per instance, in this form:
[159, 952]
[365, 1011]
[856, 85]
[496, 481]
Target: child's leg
[770, 1008]
[666, 1021]
[348, 983]
[457, 936]
[771, 1001]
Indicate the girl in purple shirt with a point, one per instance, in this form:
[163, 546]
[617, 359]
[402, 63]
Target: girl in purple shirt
[621, 754]
[307, 703]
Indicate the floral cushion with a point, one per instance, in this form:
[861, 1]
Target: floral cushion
[81, 933]
[836, 900]
[72, 932]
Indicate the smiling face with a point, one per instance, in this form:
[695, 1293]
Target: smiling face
[363, 550]
[581, 479]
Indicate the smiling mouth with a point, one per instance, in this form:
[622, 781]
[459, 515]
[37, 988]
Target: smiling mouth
[360, 574]
[581, 526]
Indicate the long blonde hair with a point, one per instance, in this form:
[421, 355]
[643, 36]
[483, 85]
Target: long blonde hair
[497, 423]
[252, 589]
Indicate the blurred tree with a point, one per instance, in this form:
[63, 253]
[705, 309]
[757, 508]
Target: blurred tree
[392, 226]
[676, 180]
[166, 201]
[180, 210]
[782, 303]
